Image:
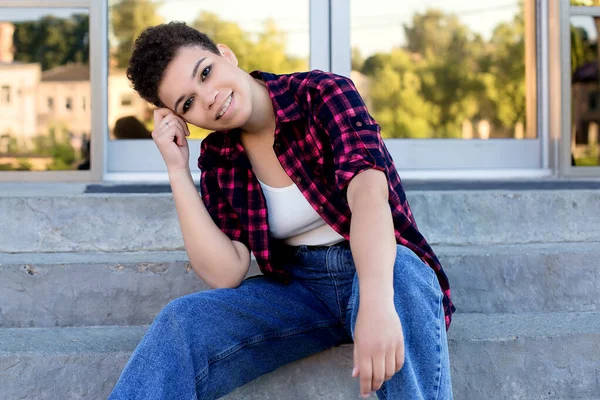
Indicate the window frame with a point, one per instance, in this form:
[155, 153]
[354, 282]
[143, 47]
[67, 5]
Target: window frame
[330, 23]
[97, 77]
[563, 13]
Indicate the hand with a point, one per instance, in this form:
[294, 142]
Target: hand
[170, 132]
[378, 345]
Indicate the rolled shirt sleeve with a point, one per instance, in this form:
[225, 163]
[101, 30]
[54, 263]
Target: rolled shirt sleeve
[354, 134]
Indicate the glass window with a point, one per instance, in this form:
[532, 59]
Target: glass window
[443, 68]
[69, 103]
[5, 94]
[126, 100]
[275, 41]
[44, 55]
[585, 91]
[585, 3]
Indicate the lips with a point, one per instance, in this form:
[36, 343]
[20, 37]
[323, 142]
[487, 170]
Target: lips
[223, 109]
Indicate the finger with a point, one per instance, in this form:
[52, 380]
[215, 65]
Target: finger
[170, 121]
[160, 114]
[378, 371]
[366, 376]
[356, 369]
[390, 365]
[180, 133]
[167, 130]
[399, 358]
[165, 123]
[186, 128]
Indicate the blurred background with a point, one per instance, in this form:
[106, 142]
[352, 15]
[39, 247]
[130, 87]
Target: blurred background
[445, 69]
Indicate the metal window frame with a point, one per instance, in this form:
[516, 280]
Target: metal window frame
[97, 43]
[467, 157]
[330, 24]
[562, 17]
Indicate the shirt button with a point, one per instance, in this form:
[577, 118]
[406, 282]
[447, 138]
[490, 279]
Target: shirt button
[298, 179]
[359, 123]
[321, 208]
[276, 145]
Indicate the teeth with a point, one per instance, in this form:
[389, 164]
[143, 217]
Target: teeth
[225, 106]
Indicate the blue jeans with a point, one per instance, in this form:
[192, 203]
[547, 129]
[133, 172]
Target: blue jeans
[206, 344]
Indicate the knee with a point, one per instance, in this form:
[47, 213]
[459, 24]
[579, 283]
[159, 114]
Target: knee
[181, 308]
[411, 273]
[408, 263]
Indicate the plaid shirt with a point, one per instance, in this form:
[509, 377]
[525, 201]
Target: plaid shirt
[324, 137]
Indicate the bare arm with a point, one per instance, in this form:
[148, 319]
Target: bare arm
[218, 260]
[378, 354]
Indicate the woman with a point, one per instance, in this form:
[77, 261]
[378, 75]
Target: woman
[296, 172]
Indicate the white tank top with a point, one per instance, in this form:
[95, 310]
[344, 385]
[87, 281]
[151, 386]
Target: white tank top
[292, 218]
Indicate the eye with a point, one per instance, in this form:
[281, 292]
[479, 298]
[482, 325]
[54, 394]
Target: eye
[205, 73]
[187, 104]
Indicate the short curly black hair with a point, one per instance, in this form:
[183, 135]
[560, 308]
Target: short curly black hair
[154, 49]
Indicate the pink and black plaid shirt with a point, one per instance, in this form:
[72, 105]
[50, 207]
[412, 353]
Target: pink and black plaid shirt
[324, 137]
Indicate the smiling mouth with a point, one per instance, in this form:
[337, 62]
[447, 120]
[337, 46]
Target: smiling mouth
[223, 109]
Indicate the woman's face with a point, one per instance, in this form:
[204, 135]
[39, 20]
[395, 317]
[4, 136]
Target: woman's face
[206, 89]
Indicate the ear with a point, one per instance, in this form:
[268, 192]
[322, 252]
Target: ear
[227, 53]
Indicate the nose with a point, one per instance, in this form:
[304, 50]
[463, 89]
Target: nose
[208, 97]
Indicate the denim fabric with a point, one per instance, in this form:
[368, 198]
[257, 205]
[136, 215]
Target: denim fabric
[206, 344]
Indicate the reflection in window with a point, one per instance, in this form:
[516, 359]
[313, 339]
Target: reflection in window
[585, 3]
[278, 43]
[585, 89]
[5, 94]
[450, 69]
[44, 56]
[126, 100]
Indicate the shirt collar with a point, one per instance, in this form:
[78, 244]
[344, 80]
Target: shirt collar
[285, 106]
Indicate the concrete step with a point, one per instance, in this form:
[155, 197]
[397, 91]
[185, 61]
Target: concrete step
[78, 222]
[80, 289]
[530, 356]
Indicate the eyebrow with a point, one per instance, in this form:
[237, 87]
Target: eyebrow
[194, 72]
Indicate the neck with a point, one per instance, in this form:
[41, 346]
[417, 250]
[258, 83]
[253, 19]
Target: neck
[262, 120]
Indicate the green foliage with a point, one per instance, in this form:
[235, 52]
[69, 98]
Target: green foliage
[23, 165]
[587, 162]
[13, 146]
[508, 89]
[446, 75]
[129, 18]
[54, 144]
[583, 50]
[588, 3]
[395, 93]
[266, 52]
[53, 41]
[442, 77]
[63, 153]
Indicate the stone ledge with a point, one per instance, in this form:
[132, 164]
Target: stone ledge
[522, 356]
[78, 289]
[113, 222]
